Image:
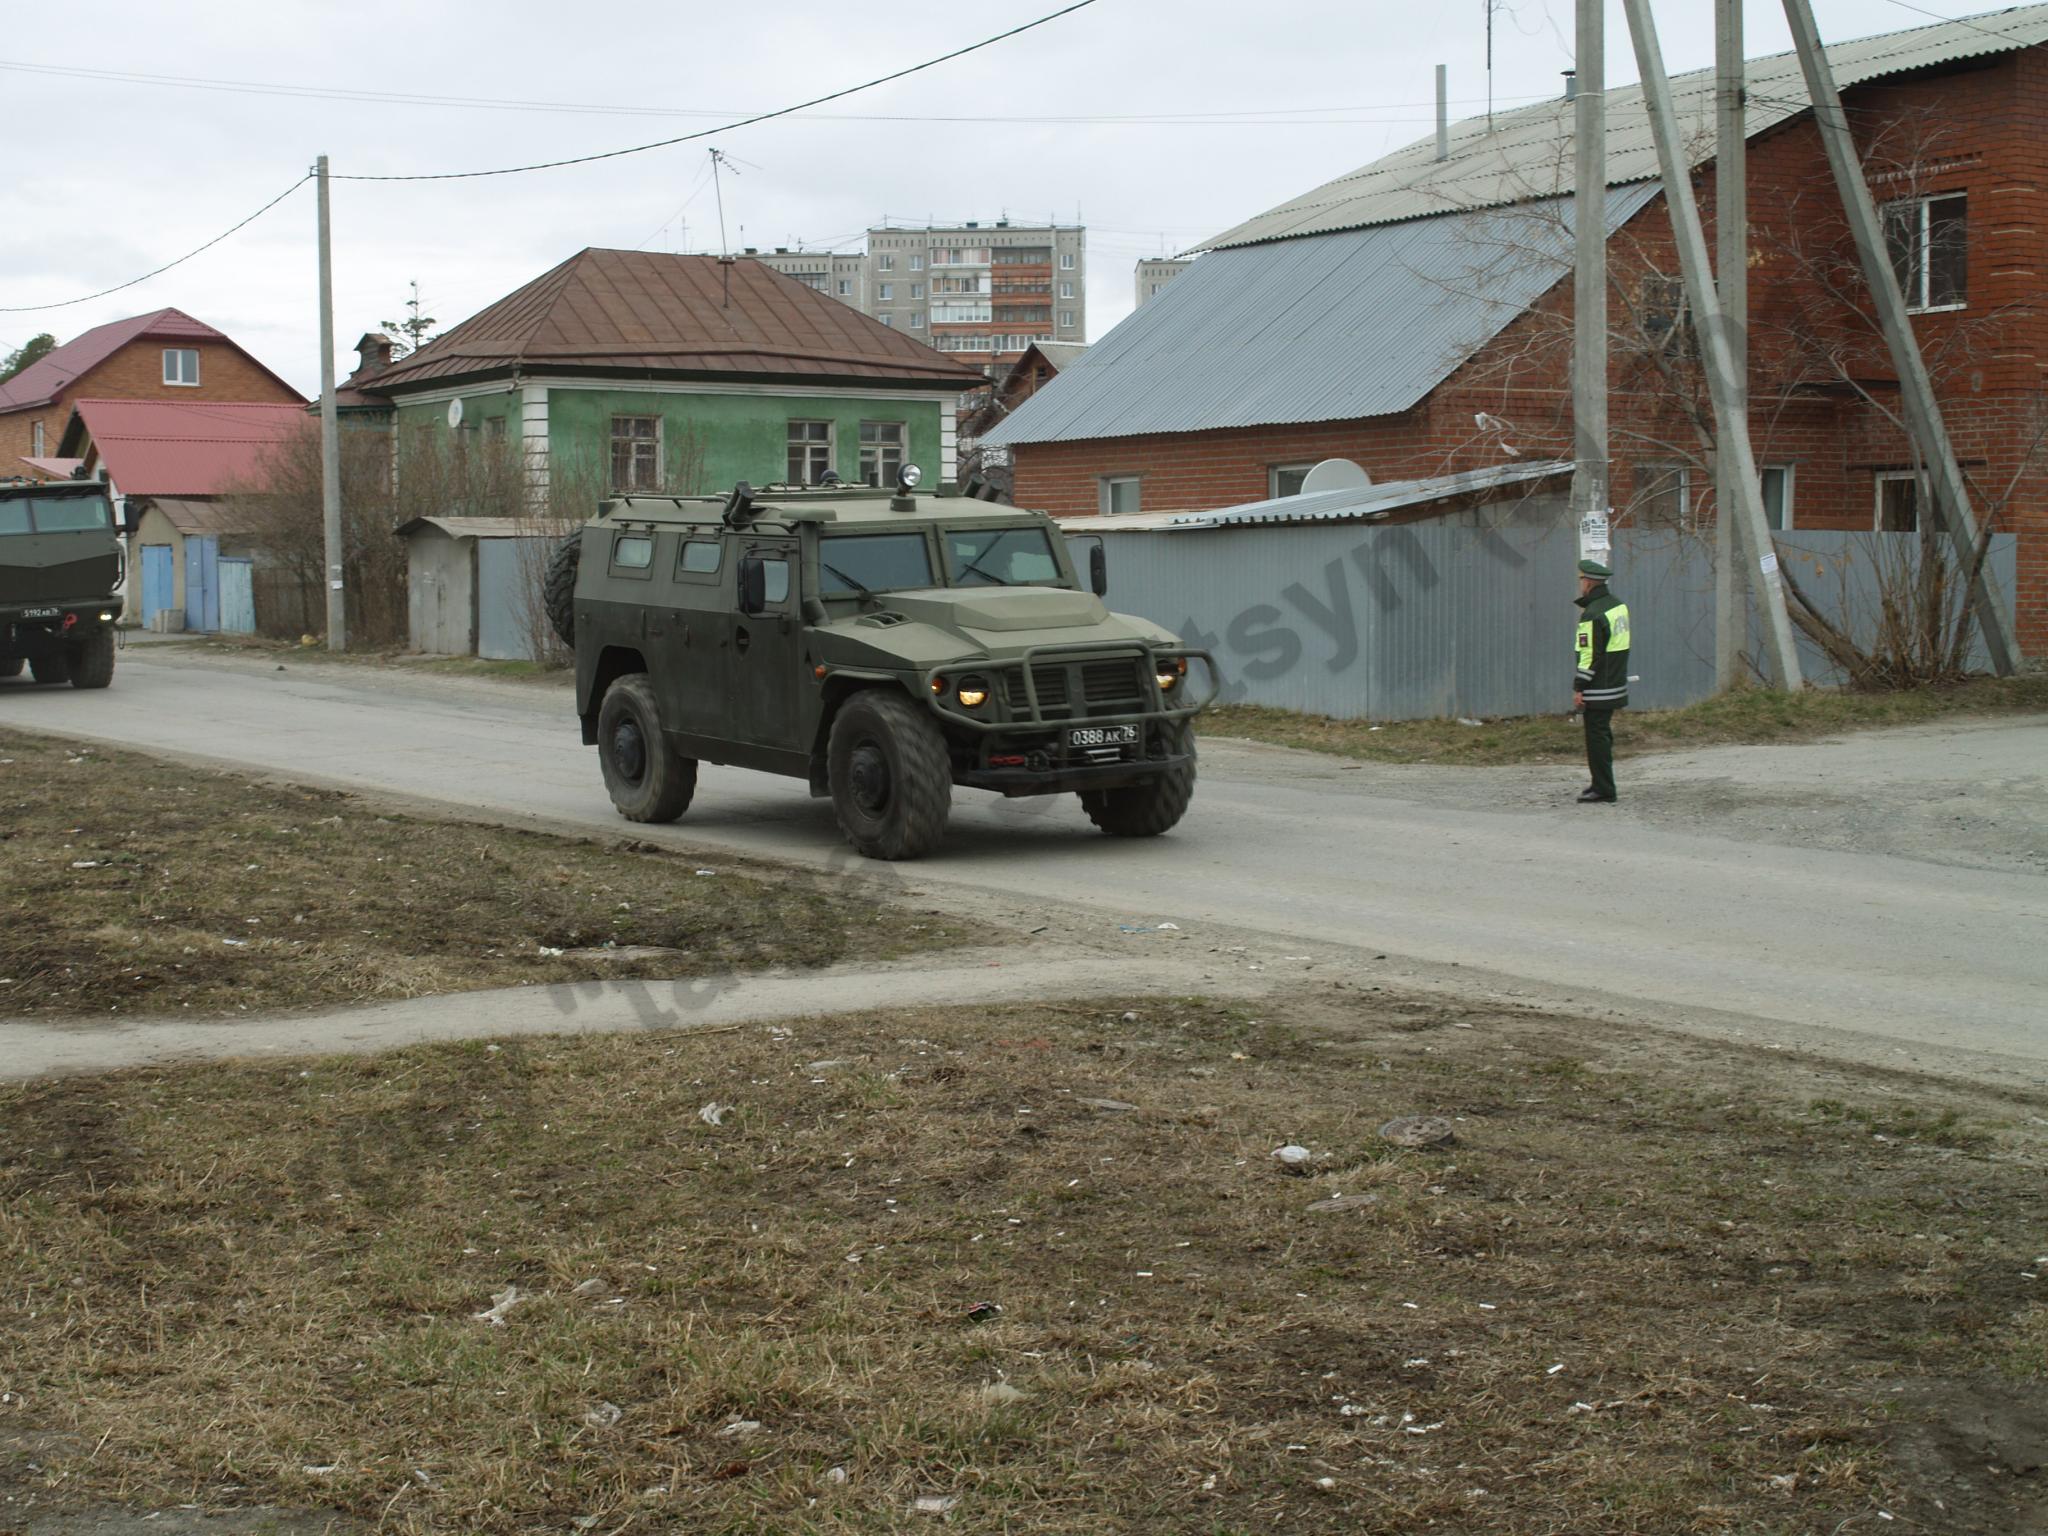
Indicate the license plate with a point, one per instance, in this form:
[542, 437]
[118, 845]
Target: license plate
[40, 613]
[1102, 736]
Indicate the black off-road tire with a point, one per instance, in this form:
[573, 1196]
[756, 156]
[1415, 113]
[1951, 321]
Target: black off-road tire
[892, 782]
[1146, 810]
[50, 670]
[10, 666]
[558, 590]
[646, 778]
[92, 660]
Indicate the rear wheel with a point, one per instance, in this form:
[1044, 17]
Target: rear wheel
[51, 669]
[558, 591]
[892, 783]
[646, 778]
[92, 660]
[10, 666]
[1146, 810]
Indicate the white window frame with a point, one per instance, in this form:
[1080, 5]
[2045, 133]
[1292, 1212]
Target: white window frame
[1917, 301]
[917, 319]
[613, 440]
[1067, 319]
[1066, 261]
[1108, 494]
[845, 287]
[917, 263]
[35, 433]
[807, 443]
[1275, 471]
[885, 263]
[1879, 481]
[885, 292]
[1066, 289]
[172, 372]
[917, 290]
[1785, 504]
[881, 460]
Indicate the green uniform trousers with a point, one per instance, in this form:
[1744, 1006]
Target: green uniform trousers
[1600, 750]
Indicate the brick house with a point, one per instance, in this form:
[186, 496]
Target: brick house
[1415, 315]
[164, 355]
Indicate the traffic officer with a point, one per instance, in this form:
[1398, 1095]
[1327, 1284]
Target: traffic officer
[1600, 681]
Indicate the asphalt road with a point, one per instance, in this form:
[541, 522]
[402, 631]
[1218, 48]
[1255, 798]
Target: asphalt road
[1486, 879]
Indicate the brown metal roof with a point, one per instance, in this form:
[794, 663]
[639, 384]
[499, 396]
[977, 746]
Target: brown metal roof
[650, 312]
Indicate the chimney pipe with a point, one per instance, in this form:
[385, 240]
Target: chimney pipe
[1571, 85]
[1443, 113]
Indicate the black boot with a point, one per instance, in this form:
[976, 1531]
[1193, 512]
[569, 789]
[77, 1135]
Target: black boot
[1591, 796]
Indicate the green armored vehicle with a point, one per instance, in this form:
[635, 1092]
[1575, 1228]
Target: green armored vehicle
[883, 647]
[61, 565]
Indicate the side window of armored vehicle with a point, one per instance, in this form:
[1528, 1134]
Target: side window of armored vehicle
[13, 517]
[698, 560]
[775, 582]
[633, 555]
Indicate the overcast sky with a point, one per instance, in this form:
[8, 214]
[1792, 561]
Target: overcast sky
[1228, 109]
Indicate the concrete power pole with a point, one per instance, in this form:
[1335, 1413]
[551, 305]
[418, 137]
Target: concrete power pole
[1731, 416]
[1591, 498]
[1923, 413]
[1731, 269]
[330, 434]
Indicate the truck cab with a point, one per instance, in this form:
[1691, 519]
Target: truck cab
[61, 564]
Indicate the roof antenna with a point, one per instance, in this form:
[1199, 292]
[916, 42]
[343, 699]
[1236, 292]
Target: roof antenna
[724, 251]
[1443, 112]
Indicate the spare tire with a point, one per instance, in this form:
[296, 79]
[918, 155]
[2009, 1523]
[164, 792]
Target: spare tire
[558, 591]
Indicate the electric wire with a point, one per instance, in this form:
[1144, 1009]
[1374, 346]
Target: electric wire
[744, 122]
[23, 309]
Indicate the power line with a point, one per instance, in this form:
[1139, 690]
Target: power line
[760, 117]
[1262, 116]
[1954, 21]
[23, 309]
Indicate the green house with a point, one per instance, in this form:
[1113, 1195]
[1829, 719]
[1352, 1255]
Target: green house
[641, 371]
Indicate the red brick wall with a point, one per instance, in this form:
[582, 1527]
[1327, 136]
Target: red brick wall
[1982, 130]
[136, 372]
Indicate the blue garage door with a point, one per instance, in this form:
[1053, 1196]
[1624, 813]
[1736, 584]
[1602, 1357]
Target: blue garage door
[159, 581]
[202, 583]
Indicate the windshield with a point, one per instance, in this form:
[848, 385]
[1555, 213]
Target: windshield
[54, 514]
[1002, 557]
[875, 562]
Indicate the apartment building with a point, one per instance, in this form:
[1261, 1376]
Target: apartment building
[1155, 272]
[986, 291]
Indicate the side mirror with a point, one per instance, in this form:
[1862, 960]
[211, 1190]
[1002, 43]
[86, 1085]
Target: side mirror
[1098, 571]
[753, 586]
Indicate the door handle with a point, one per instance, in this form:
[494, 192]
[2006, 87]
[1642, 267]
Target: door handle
[741, 639]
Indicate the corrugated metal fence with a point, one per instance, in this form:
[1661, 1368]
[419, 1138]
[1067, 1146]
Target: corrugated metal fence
[1431, 620]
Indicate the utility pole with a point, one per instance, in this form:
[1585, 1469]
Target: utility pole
[1923, 413]
[330, 432]
[1590, 499]
[1731, 270]
[1731, 420]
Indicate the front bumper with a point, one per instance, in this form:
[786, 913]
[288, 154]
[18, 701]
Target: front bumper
[1071, 777]
[45, 629]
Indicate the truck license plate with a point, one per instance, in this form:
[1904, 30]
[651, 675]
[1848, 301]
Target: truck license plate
[1102, 736]
[40, 613]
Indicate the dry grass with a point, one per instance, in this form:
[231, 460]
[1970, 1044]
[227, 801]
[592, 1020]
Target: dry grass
[132, 885]
[1746, 717]
[1616, 1305]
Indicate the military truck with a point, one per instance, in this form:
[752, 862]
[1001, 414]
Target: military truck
[883, 647]
[61, 565]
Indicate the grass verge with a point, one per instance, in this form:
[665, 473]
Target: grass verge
[1035, 1264]
[132, 885]
[1752, 716]
[555, 674]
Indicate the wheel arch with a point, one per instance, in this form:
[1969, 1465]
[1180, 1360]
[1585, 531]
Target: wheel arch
[613, 663]
[839, 687]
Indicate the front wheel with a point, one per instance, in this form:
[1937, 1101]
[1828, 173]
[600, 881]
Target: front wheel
[92, 660]
[892, 782]
[647, 779]
[1146, 810]
[51, 669]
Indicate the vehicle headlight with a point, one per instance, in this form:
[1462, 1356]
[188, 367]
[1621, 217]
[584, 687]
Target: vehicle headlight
[1171, 671]
[939, 687]
[973, 692]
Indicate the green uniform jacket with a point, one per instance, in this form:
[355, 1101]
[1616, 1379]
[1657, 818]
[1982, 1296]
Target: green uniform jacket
[1601, 676]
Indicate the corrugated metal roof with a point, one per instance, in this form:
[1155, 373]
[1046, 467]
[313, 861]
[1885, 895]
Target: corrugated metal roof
[1350, 504]
[185, 448]
[1528, 152]
[199, 516]
[649, 311]
[478, 527]
[52, 469]
[1363, 322]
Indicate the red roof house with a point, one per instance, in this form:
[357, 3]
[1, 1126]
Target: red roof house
[163, 355]
[177, 448]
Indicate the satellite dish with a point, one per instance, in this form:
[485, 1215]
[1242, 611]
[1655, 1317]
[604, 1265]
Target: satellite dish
[1335, 475]
[454, 414]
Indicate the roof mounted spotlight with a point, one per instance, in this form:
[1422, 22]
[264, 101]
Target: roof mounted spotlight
[739, 506]
[906, 482]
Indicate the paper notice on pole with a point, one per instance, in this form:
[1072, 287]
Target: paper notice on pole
[335, 585]
[1769, 563]
[1593, 536]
